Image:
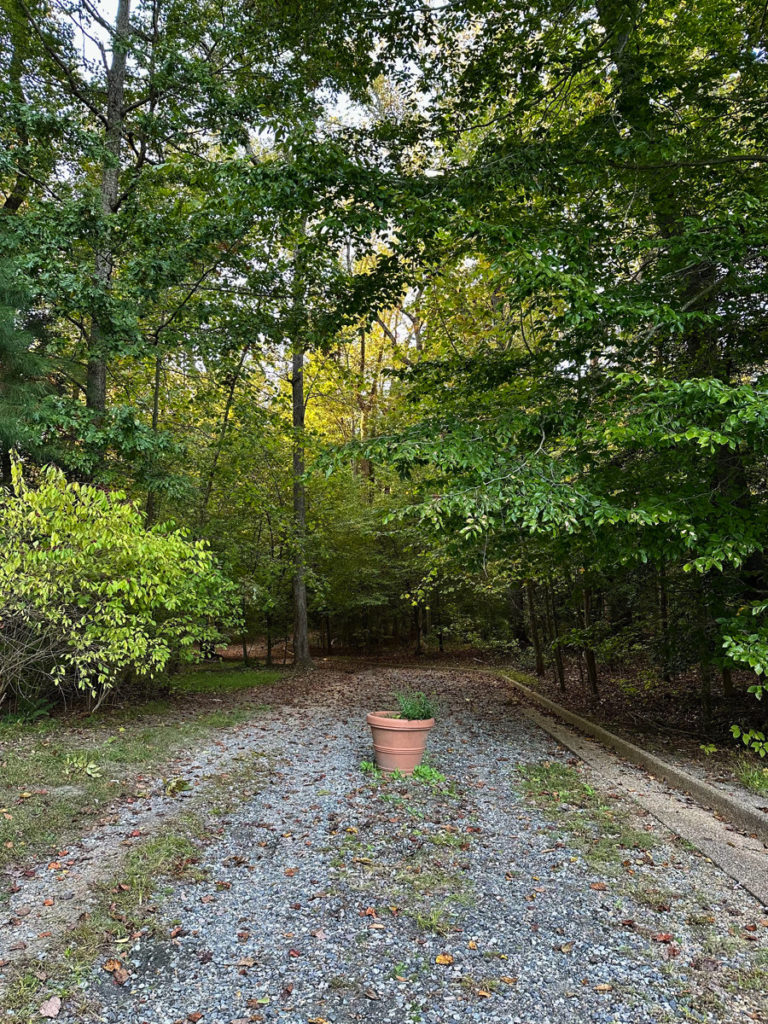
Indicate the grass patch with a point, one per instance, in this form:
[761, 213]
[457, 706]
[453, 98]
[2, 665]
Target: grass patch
[753, 775]
[598, 829]
[131, 902]
[440, 920]
[57, 775]
[224, 679]
[122, 910]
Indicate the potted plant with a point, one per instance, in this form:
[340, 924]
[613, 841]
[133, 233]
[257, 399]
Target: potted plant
[399, 737]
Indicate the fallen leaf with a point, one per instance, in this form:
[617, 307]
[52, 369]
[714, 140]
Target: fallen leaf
[120, 976]
[604, 988]
[508, 981]
[194, 1017]
[444, 959]
[566, 947]
[111, 965]
[482, 993]
[293, 952]
[50, 1008]
[318, 933]
[471, 944]
[598, 886]
[662, 937]
[246, 961]
[371, 993]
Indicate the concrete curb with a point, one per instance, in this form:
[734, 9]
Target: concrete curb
[741, 815]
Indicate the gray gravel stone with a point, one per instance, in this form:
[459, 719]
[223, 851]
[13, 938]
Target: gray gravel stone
[341, 892]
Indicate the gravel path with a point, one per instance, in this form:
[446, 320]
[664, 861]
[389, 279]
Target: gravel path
[333, 896]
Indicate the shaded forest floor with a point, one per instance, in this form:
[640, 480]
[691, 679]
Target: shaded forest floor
[288, 882]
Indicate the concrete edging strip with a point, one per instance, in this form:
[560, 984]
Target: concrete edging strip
[738, 814]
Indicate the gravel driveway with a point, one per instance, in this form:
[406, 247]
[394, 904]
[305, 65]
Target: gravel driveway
[335, 896]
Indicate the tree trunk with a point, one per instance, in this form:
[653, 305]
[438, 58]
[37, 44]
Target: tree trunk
[534, 623]
[589, 654]
[269, 640]
[728, 690]
[218, 446]
[549, 593]
[151, 510]
[96, 381]
[301, 656]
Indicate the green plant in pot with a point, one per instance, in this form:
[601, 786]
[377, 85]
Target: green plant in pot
[400, 737]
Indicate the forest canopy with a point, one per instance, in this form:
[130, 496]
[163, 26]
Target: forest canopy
[429, 324]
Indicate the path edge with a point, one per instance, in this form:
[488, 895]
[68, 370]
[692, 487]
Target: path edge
[738, 814]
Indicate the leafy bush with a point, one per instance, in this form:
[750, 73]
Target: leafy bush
[89, 596]
[415, 706]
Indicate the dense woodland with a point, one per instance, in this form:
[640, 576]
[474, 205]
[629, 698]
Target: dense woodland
[426, 325]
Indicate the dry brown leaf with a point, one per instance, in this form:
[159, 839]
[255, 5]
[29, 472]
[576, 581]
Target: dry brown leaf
[598, 886]
[604, 988]
[445, 959]
[50, 1008]
[111, 965]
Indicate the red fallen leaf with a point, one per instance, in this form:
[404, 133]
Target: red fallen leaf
[750, 938]
[598, 886]
[628, 922]
[50, 1008]
[243, 936]
[44, 935]
[662, 937]
[293, 952]
[194, 1017]
[290, 872]
[54, 866]
[750, 927]
[48, 902]
[368, 912]
[177, 931]
[287, 990]
[135, 833]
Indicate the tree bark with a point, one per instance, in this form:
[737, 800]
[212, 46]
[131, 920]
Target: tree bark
[555, 630]
[534, 623]
[589, 654]
[301, 656]
[96, 381]
[151, 509]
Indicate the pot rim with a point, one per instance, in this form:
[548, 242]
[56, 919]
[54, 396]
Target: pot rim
[384, 720]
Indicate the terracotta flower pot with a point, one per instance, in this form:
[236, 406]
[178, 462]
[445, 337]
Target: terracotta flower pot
[398, 742]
